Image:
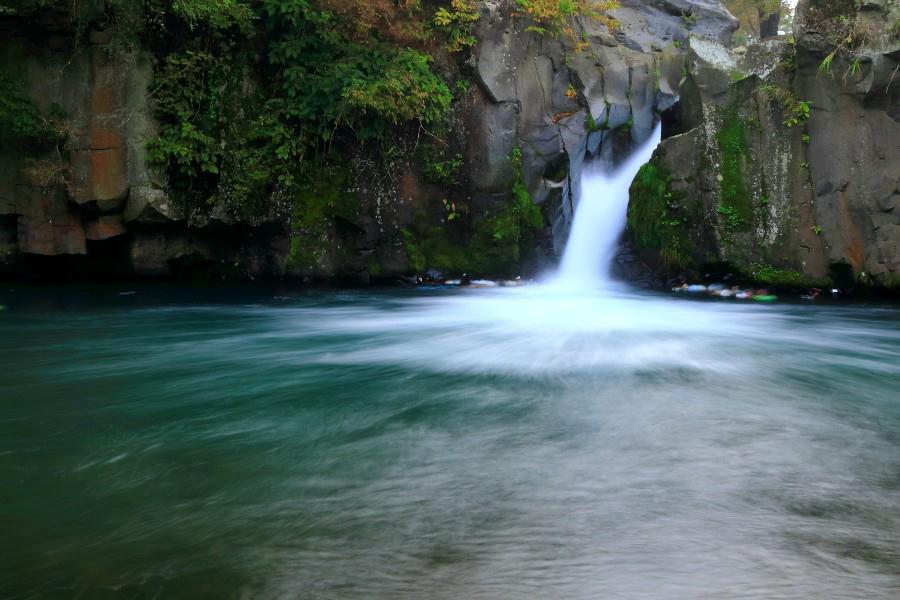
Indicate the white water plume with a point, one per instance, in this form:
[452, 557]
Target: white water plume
[600, 219]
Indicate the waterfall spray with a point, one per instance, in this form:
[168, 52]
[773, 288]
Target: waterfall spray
[599, 219]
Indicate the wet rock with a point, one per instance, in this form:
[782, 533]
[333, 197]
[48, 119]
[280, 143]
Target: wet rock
[104, 228]
[802, 197]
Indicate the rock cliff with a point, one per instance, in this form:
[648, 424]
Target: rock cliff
[531, 107]
[783, 162]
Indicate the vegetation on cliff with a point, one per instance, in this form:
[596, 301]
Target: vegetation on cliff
[558, 16]
[849, 33]
[736, 208]
[258, 104]
[657, 217]
[498, 240]
[21, 119]
[759, 18]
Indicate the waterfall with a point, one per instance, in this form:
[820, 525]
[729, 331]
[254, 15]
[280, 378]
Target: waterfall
[599, 218]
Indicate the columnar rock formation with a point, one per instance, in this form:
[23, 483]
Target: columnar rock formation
[94, 206]
[785, 165]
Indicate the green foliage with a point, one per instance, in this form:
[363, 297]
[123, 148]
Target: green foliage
[511, 229]
[458, 22]
[217, 14]
[769, 275]
[557, 17]
[390, 87]
[440, 169]
[21, 119]
[735, 199]
[190, 103]
[331, 83]
[492, 243]
[319, 202]
[657, 219]
[796, 111]
[231, 139]
[848, 35]
[730, 217]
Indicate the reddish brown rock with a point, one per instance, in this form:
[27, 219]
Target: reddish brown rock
[100, 162]
[48, 228]
[104, 228]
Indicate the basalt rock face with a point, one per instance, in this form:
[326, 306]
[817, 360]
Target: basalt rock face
[854, 152]
[91, 205]
[561, 104]
[778, 168]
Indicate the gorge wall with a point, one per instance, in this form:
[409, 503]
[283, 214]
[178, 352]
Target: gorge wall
[528, 105]
[774, 168]
[782, 164]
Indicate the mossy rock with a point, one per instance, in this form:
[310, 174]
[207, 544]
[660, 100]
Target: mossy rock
[658, 219]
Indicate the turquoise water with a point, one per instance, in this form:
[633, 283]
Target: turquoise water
[188, 442]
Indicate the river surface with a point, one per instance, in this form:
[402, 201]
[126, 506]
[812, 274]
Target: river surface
[509, 443]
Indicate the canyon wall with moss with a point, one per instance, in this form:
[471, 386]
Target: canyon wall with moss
[782, 160]
[166, 144]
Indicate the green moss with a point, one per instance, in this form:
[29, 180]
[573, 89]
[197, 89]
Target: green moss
[891, 281]
[592, 125]
[736, 203]
[732, 221]
[441, 168]
[445, 254]
[657, 219]
[316, 206]
[374, 268]
[513, 226]
[788, 279]
[490, 244]
[21, 119]
[414, 253]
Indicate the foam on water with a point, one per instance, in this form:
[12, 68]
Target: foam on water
[528, 442]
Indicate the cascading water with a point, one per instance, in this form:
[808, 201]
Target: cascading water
[600, 219]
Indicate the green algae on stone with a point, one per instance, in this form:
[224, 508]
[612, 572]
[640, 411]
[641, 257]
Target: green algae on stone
[788, 279]
[315, 207]
[735, 197]
[656, 217]
[493, 243]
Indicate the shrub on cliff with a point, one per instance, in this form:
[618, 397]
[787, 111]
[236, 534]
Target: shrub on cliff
[281, 85]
